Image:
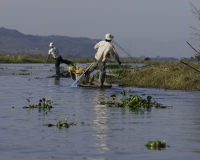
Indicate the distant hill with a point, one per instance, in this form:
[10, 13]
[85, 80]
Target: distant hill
[13, 42]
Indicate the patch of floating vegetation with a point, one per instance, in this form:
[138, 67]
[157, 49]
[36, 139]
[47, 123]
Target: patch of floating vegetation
[24, 73]
[23, 70]
[156, 145]
[29, 67]
[61, 124]
[134, 102]
[43, 104]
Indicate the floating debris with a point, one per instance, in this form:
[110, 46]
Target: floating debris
[23, 70]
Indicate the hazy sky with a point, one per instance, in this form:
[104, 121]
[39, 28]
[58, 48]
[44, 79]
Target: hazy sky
[149, 19]
[128, 19]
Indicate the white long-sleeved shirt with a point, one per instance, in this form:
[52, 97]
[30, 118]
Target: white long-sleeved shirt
[54, 52]
[103, 51]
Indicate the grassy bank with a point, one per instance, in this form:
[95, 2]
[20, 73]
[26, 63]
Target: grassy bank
[166, 75]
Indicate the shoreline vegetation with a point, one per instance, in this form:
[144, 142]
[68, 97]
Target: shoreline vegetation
[38, 58]
[172, 75]
[163, 75]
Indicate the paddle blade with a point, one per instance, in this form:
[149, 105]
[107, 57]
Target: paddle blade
[72, 85]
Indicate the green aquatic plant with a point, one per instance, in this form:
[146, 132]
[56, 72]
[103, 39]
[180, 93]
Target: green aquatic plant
[43, 103]
[119, 73]
[131, 101]
[30, 105]
[156, 145]
[61, 124]
[24, 73]
[23, 70]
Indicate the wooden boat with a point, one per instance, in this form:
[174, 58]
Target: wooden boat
[93, 84]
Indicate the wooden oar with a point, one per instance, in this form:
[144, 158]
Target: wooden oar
[72, 85]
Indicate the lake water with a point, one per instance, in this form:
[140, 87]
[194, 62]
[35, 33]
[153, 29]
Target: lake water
[102, 132]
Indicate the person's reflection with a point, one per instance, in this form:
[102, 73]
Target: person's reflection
[101, 117]
[57, 81]
[53, 85]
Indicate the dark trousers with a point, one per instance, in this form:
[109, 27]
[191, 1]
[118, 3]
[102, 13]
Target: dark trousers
[61, 60]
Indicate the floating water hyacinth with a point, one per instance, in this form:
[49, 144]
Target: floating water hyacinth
[43, 103]
[156, 145]
[61, 124]
[132, 101]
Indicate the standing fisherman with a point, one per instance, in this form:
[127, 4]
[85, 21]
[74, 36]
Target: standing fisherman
[58, 58]
[104, 48]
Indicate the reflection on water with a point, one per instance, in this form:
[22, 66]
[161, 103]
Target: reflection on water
[101, 118]
[57, 81]
[102, 132]
[100, 122]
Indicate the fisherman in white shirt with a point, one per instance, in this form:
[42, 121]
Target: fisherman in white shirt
[104, 49]
[58, 58]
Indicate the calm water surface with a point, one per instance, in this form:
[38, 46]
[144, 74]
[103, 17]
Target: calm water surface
[101, 132]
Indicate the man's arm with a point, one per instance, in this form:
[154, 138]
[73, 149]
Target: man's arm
[48, 58]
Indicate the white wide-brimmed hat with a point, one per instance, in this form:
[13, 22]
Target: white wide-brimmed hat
[51, 44]
[109, 36]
